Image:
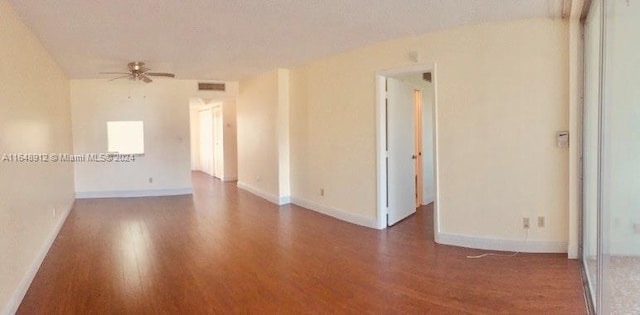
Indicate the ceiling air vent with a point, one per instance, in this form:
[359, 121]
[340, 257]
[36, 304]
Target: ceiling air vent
[211, 87]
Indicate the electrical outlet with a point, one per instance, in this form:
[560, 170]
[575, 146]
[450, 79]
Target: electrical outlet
[53, 211]
[636, 228]
[321, 191]
[525, 223]
[541, 221]
[258, 178]
[150, 180]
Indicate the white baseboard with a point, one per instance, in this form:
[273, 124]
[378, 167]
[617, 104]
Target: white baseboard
[264, 195]
[284, 200]
[27, 279]
[336, 213]
[572, 252]
[133, 193]
[230, 179]
[489, 243]
[427, 199]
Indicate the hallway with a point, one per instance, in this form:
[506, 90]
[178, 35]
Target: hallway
[226, 250]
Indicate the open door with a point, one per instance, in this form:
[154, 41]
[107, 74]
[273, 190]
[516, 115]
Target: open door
[401, 188]
[417, 95]
[206, 141]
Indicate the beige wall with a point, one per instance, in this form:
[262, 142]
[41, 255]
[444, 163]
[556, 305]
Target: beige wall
[283, 131]
[298, 122]
[263, 135]
[230, 140]
[34, 118]
[163, 106]
[257, 111]
[502, 96]
[194, 130]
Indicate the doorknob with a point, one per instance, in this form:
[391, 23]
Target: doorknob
[413, 157]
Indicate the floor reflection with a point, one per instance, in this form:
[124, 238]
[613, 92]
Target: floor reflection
[135, 257]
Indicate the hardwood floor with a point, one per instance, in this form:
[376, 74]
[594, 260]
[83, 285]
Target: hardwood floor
[224, 250]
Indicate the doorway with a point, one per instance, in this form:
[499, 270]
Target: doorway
[207, 138]
[213, 146]
[418, 144]
[205, 160]
[406, 133]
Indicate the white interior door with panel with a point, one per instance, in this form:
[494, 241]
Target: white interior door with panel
[401, 171]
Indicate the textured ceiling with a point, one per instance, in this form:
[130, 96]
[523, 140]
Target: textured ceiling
[232, 39]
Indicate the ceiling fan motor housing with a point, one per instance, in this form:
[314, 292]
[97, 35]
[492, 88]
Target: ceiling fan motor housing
[137, 66]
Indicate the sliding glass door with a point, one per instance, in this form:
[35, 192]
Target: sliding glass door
[590, 147]
[611, 151]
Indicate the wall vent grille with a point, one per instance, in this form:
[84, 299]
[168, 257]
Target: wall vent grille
[211, 86]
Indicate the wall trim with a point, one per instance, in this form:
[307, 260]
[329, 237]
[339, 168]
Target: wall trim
[133, 193]
[229, 179]
[428, 199]
[283, 200]
[491, 243]
[336, 213]
[16, 299]
[572, 251]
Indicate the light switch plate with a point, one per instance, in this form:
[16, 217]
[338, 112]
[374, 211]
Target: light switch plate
[562, 139]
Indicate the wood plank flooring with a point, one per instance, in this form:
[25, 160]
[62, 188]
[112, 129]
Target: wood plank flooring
[224, 250]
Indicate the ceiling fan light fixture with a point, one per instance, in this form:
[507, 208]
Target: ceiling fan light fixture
[138, 71]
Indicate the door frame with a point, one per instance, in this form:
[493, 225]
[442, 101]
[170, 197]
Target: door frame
[381, 140]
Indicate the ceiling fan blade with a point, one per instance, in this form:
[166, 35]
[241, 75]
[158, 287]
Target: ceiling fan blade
[145, 78]
[115, 73]
[161, 74]
[122, 77]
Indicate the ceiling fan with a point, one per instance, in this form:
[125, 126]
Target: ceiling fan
[137, 71]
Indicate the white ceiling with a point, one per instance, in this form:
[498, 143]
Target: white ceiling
[232, 39]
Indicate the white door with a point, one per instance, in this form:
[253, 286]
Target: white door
[400, 147]
[206, 141]
[218, 151]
